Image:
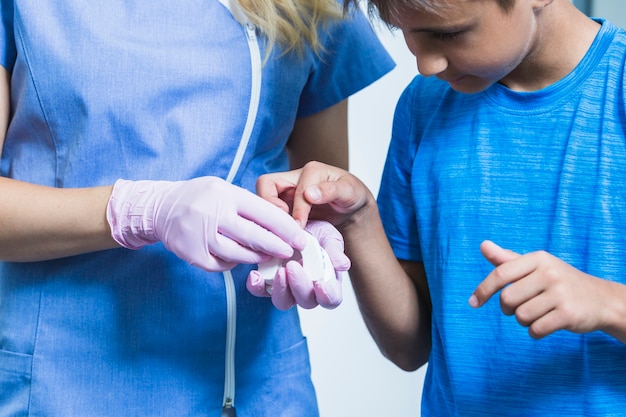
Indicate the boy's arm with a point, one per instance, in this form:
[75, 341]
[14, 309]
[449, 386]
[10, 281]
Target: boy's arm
[392, 295]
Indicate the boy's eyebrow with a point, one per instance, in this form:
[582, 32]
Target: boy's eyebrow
[435, 29]
[443, 27]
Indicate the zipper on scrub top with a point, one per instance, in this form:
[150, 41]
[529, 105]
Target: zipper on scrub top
[255, 98]
[228, 407]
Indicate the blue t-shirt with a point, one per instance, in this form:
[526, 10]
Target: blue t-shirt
[530, 171]
[152, 90]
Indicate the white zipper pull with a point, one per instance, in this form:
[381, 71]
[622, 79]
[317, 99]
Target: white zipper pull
[228, 410]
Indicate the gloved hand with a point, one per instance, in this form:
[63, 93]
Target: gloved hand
[292, 285]
[205, 221]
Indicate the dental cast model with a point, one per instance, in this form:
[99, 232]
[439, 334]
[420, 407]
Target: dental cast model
[314, 259]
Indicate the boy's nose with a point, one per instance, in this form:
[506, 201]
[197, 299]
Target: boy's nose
[431, 63]
[429, 58]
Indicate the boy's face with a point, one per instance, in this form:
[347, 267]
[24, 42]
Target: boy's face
[471, 44]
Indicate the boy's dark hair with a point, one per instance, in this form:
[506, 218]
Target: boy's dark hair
[387, 9]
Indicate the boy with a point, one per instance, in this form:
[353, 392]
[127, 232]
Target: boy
[505, 178]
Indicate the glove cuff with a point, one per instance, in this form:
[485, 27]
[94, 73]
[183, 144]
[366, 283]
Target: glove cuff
[130, 213]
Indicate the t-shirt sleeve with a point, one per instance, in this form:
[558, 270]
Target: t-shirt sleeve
[7, 46]
[395, 197]
[352, 59]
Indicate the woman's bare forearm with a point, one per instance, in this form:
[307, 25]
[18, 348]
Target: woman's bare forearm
[321, 137]
[40, 223]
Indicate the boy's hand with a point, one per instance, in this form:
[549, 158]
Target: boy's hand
[317, 191]
[544, 293]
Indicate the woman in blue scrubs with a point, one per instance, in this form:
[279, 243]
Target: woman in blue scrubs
[107, 304]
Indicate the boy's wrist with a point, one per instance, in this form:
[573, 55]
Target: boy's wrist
[615, 320]
[362, 219]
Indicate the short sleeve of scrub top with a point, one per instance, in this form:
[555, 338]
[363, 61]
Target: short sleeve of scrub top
[7, 46]
[338, 63]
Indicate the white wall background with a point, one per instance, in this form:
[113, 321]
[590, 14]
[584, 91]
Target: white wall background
[614, 10]
[351, 376]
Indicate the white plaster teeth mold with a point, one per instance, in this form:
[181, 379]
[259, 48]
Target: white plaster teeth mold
[313, 257]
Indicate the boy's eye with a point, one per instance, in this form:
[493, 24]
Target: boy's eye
[446, 36]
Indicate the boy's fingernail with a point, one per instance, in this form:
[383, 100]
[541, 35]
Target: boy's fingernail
[473, 301]
[314, 193]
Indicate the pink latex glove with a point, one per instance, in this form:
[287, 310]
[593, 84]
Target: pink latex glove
[205, 221]
[292, 285]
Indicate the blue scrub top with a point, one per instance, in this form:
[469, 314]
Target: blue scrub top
[153, 90]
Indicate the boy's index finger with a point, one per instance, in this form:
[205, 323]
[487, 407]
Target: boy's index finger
[301, 210]
[502, 275]
[494, 282]
[307, 192]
